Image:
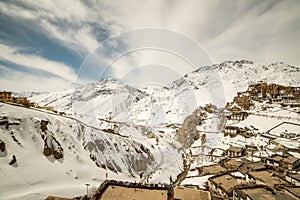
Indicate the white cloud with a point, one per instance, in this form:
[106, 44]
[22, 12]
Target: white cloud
[61, 70]
[263, 31]
[25, 82]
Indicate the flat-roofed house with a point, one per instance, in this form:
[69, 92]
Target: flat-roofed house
[6, 96]
[255, 166]
[235, 151]
[232, 164]
[184, 193]
[265, 178]
[260, 192]
[293, 191]
[223, 184]
[293, 178]
[284, 161]
[212, 169]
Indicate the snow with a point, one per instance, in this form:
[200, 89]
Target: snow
[37, 176]
[136, 112]
[200, 181]
[164, 104]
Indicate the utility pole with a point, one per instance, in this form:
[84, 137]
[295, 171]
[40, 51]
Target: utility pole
[87, 189]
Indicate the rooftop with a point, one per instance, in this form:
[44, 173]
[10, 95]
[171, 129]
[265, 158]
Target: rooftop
[265, 194]
[256, 166]
[295, 190]
[233, 164]
[295, 176]
[184, 193]
[236, 149]
[268, 178]
[125, 193]
[227, 182]
[213, 169]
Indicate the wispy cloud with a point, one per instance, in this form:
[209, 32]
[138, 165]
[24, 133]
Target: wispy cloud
[12, 55]
[20, 81]
[263, 31]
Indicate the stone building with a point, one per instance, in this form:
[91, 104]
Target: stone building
[6, 96]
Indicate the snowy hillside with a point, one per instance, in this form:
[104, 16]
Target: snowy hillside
[58, 155]
[157, 105]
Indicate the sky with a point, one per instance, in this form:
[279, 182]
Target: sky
[52, 45]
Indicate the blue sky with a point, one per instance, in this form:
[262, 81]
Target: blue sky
[45, 45]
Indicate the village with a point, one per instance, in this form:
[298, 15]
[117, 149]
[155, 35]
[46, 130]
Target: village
[259, 153]
[8, 97]
[255, 156]
[253, 152]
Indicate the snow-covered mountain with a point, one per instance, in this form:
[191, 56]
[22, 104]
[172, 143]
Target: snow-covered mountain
[156, 105]
[112, 129]
[48, 153]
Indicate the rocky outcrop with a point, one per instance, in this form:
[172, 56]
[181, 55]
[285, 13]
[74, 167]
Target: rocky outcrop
[188, 133]
[2, 146]
[52, 147]
[13, 160]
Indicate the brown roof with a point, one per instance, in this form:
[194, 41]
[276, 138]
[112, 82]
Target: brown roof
[256, 165]
[295, 176]
[290, 159]
[264, 194]
[236, 149]
[125, 193]
[184, 193]
[226, 182]
[268, 178]
[233, 164]
[213, 169]
[295, 190]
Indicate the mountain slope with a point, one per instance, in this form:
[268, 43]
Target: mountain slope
[46, 144]
[158, 105]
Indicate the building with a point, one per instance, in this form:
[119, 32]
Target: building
[21, 100]
[222, 185]
[184, 193]
[255, 192]
[212, 169]
[255, 166]
[50, 108]
[235, 130]
[293, 191]
[293, 178]
[264, 178]
[232, 164]
[235, 151]
[286, 161]
[6, 96]
[115, 190]
[237, 116]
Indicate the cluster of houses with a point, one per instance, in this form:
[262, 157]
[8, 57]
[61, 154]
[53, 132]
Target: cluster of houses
[237, 178]
[273, 93]
[8, 97]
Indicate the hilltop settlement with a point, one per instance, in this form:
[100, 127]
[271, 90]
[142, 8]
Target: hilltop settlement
[248, 150]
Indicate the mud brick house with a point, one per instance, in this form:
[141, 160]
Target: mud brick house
[293, 178]
[232, 164]
[255, 166]
[6, 96]
[237, 116]
[261, 192]
[265, 178]
[223, 184]
[293, 191]
[235, 151]
[285, 161]
[212, 169]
